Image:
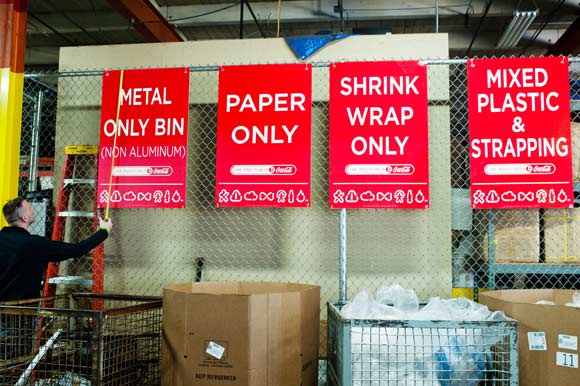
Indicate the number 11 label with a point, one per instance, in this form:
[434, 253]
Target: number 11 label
[566, 359]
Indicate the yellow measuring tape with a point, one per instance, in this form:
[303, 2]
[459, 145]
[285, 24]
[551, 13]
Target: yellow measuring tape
[114, 146]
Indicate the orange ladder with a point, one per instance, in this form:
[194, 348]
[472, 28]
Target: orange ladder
[75, 156]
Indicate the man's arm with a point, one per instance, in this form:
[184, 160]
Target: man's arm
[54, 251]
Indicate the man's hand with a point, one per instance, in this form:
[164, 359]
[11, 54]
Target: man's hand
[106, 225]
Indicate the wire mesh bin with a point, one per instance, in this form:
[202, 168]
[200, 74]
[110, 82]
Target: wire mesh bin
[81, 340]
[420, 352]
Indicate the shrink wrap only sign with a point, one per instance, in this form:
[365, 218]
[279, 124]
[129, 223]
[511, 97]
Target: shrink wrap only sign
[378, 140]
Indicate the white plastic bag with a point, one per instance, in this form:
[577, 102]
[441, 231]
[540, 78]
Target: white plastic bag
[403, 299]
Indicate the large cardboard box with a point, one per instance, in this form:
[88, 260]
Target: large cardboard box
[560, 325]
[240, 333]
[516, 235]
[563, 225]
[562, 230]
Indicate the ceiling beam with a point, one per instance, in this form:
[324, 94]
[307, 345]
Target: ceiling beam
[569, 42]
[146, 20]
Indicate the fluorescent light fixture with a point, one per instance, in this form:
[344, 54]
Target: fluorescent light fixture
[515, 30]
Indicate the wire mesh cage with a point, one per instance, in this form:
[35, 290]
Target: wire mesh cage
[81, 339]
[420, 352]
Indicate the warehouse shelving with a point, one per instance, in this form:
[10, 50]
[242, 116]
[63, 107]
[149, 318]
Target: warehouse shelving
[540, 268]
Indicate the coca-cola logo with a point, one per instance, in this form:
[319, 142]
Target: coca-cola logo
[283, 169]
[400, 169]
[159, 170]
[546, 168]
[543, 169]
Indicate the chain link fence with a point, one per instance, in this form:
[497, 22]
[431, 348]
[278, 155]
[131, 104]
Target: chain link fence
[431, 251]
[515, 248]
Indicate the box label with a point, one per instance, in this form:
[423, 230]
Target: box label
[215, 354]
[215, 350]
[565, 359]
[537, 341]
[568, 342]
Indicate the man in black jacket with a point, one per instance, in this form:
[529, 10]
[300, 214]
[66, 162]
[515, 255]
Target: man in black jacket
[24, 257]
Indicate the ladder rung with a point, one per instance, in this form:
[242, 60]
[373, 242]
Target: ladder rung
[76, 213]
[79, 181]
[71, 280]
[81, 149]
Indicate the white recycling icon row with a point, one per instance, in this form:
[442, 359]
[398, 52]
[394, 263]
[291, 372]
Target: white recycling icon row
[542, 196]
[158, 196]
[280, 196]
[399, 196]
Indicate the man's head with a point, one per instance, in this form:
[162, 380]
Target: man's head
[18, 212]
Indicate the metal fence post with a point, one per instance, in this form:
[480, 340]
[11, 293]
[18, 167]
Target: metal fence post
[34, 143]
[491, 248]
[342, 256]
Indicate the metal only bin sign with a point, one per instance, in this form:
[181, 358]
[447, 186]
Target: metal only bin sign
[263, 136]
[148, 144]
[378, 139]
[519, 133]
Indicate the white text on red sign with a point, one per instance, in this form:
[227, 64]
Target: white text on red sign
[521, 101]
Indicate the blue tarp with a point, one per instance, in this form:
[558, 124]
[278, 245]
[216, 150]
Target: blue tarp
[305, 46]
[575, 90]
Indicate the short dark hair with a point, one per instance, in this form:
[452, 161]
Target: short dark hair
[10, 209]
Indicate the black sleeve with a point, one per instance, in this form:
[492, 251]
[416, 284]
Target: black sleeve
[54, 251]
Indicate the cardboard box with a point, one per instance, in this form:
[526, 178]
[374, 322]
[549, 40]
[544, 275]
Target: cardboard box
[562, 229]
[562, 225]
[517, 236]
[240, 333]
[539, 367]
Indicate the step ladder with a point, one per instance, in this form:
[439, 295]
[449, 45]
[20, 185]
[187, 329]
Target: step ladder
[78, 159]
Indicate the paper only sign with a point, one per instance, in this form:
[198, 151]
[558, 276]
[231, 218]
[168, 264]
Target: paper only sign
[263, 136]
[147, 146]
[378, 139]
[519, 133]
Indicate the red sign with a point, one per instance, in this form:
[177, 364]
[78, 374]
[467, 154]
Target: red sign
[379, 135]
[263, 138]
[519, 133]
[149, 152]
